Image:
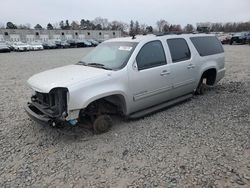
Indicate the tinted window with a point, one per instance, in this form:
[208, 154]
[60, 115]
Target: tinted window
[179, 50]
[209, 45]
[151, 55]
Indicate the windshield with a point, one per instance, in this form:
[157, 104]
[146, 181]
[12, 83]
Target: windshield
[110, 55]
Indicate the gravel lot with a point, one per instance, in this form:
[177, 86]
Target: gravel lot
[204, 142]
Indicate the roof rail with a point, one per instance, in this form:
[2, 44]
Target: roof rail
[173, 33]
[170, 33]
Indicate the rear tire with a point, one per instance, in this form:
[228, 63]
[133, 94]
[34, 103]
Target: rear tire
[201, 89]
[102, 124]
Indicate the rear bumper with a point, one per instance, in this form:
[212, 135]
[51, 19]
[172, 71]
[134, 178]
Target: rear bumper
[36, 115]
[220, 74]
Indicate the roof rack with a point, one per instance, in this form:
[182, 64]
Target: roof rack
[168, 33]
[173, 33]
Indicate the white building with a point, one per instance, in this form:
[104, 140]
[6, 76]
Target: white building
[14, 37]
[57, 37]
[44, 37]
[30, 35]
[68, 37]
[1, 38]
[30, 38]
[81, 36]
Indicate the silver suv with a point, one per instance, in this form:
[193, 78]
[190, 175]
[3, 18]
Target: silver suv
[131, 77]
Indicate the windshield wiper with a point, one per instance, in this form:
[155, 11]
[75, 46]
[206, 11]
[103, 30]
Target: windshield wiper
[81, 63]
[98, 65]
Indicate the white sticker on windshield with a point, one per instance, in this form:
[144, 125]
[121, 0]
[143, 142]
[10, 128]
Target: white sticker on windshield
[126, 48]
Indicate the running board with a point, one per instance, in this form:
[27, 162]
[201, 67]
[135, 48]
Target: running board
[159, 107]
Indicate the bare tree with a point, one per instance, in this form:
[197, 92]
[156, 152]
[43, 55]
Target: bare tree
[56, 25]
[189, 28]
[131, 28]
[118, 25]
[160, 24]
[143, 29]
[102, 21]
[38, 26]
[49, 26]
[149, 29]
[61, 24]
[75, 25]
[137, 28]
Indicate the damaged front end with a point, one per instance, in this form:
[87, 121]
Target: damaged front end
[49, 108]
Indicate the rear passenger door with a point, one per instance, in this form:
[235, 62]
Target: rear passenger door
[183, 69]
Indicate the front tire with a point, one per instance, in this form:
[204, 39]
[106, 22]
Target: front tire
[102, 124]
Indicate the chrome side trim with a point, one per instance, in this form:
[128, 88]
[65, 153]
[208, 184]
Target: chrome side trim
[146, 94]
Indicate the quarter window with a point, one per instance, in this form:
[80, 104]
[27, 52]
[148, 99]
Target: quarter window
[151, 55]
[179, 50]
[208, 45]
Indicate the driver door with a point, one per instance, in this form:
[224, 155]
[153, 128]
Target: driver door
[149, 80]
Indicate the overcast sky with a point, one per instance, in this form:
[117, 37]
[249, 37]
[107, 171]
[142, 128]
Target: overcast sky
[145, 11]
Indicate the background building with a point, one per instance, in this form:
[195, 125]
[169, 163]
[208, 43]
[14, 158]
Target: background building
[15, 35]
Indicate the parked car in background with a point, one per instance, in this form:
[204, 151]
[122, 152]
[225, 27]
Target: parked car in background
[49, 45]
[240, 38]
[83, 43]
[36, 46]
[101, 40]
[62, 44]
[72, 43]
[93, 42]
[58, 43]
[65, 44]
[20, 46]
[10, 45]
[4, 47]
[225, 38]
[248, 38]
[130, 77]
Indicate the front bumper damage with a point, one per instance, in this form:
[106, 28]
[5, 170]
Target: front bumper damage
[38, 116]
[48, 108]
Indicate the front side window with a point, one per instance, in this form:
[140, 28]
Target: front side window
[110, 55]
[151, 55]
[179, 49]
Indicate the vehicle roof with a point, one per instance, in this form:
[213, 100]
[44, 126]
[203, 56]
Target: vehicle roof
[140, 38]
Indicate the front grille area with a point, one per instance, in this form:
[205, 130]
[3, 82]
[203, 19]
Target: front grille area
[47, 99]
[53, 103]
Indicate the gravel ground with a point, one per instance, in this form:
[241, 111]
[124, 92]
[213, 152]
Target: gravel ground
[204, 142]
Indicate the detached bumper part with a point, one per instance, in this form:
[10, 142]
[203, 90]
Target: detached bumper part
[35, 114]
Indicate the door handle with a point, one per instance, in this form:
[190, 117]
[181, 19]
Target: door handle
[165, 72]
[190, 66]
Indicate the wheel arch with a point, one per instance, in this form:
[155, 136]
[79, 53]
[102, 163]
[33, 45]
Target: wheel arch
[116, 98]
[210, 74]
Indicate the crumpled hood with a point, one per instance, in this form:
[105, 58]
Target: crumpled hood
[65, 76]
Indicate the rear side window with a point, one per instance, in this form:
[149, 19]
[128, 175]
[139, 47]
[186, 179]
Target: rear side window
[151, 55]
[208, 45]
[179, 49]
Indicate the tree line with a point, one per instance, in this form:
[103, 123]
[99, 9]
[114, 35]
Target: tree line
[134, 27]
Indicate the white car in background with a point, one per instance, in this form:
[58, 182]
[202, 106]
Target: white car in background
[20, 46]
[36, 46]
